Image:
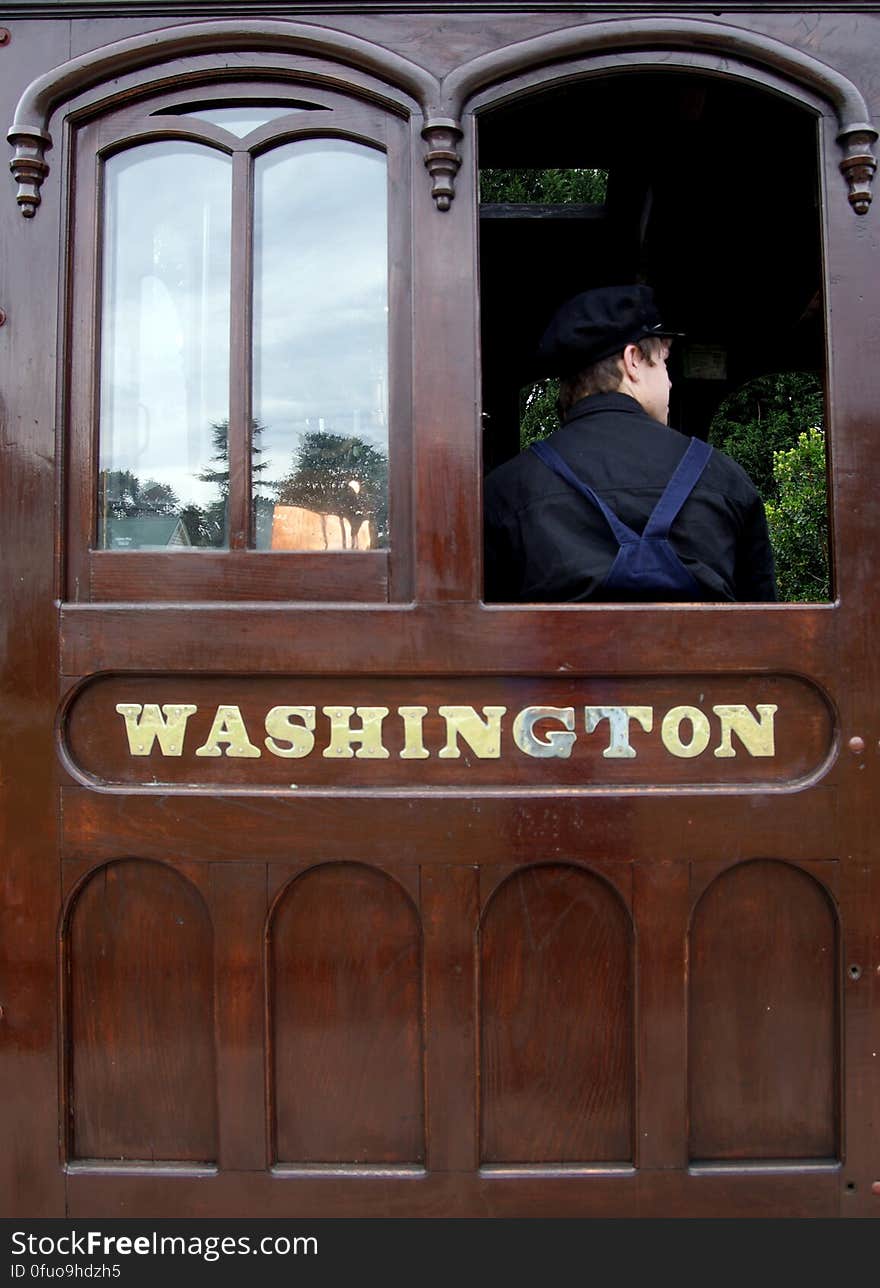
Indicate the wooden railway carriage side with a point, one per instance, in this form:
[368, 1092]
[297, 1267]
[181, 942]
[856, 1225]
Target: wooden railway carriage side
[328, 887]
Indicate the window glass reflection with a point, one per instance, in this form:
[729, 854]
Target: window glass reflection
[242, 120]
[164, 476]
[320, 347]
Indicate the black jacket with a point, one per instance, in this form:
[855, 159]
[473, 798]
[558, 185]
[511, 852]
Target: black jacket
[547, 543]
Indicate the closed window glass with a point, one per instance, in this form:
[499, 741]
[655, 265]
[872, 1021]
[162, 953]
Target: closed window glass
[164, 385]
[320, 428]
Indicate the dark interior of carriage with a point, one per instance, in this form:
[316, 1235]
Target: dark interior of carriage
[712, 198]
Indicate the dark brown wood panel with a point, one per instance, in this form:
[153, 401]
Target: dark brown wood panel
[852, 256]
[556, 1021]
[860, 902]
[207, 827]
[661, 906]
[670, 1193]
[609, 639]
[450, 911]
[763, 1018]
[238, 908]
[31, 1183]
[345, 971]
[243, 576]
[446, 434]
[140, 1017]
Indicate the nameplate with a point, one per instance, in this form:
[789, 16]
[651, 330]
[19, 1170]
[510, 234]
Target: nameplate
[296, 733]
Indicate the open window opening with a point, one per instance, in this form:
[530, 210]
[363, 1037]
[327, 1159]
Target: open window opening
[689, 197]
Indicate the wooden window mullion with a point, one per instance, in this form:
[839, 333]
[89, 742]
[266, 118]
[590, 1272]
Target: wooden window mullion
[240, 332]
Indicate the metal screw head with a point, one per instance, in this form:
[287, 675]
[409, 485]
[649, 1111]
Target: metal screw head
[854, 971]
[5, 37]
[856, 745]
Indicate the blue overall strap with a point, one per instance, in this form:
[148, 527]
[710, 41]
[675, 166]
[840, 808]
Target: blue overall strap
[554, 461]
[678, 489]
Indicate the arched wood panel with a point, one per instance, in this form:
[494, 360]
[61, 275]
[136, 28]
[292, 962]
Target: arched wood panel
[345, 972]
[556, 1021]
[763, 1021]
[141, 1073]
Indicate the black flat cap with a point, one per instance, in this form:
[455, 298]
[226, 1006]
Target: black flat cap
[597, 323]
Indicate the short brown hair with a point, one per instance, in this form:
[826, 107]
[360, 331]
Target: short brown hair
[603, 377]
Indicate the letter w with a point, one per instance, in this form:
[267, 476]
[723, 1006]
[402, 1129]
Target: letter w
[168, 725]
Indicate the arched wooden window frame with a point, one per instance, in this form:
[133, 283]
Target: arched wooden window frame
[520, 85]
[101, 130]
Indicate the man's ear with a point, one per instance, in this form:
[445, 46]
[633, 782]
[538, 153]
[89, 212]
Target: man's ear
[632, 362]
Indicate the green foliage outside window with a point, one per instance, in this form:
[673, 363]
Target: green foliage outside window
[798, 519]
[538, 415]
[773, 427]
[763, 417]
[550, 187]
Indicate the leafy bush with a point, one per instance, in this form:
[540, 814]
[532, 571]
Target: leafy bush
[538, 417]
[773, 427]
[798, 519]
[765, 416]
[551, 187]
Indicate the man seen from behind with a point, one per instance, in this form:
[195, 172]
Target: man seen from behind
[615, 505]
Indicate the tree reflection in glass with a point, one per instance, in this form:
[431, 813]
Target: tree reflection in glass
[164, 346]
[321, 344]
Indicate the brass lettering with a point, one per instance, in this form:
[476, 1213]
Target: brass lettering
[369, 736]
[281, 728]
[670, 732]
[757, 736]
[229, 728]
[413, 747]
[619, 747]
[167, 726]
[482, 736]
[540, 732]
[556, 742]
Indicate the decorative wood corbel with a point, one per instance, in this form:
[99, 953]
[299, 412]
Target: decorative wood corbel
[858, 164]
[442, 158]
[29, 167]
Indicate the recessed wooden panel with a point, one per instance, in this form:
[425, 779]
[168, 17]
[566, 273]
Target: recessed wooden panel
[246, 575]
[556, 1006]
[140, 1017]
[346, 978]
[763, 1035]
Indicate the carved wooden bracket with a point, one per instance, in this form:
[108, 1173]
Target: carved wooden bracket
[29, 167]
[858, 164]
[442, 158]
[442, 103]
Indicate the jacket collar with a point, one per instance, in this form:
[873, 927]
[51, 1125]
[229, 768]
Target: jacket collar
[604, 402]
